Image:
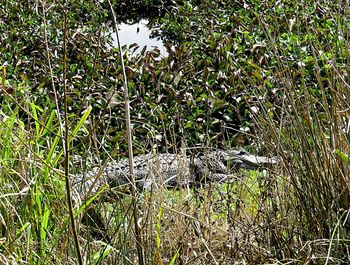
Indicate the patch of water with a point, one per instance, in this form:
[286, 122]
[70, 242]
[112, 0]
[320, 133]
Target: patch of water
[138, 33]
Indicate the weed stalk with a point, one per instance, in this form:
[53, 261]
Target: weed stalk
[66, 142]
[130, 146]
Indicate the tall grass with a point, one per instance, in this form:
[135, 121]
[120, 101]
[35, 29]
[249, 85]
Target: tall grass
[309, 129]
[299, 214]
[33, 208]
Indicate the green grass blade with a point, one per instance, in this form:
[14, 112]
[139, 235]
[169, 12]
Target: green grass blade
[89, 201]
[81, 121]
[158, 227]
[173, 260]
[44, 228]
[343, 156]
[35, 109]
[76, 129]
[48, 125]
[101, 254]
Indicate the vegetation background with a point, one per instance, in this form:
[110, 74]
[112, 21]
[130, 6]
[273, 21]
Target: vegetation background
[270, 76]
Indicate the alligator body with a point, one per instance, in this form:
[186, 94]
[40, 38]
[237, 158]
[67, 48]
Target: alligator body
[170, 170]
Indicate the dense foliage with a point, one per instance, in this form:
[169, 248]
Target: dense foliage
[202, 91]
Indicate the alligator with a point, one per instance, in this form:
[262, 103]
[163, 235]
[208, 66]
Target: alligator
[170, 170]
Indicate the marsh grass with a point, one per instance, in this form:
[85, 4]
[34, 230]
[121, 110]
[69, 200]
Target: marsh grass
[309, 130]
[177, 226]
[257, 217]
[33, 201]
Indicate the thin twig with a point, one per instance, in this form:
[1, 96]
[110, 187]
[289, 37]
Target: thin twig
[66, 142]
[64, 139]
[140, 251]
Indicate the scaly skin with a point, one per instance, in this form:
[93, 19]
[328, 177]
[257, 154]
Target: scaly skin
[170, 170]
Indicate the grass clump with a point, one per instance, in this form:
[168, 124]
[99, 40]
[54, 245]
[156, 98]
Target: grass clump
[308, 126]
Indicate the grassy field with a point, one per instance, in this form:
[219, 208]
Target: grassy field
[270, 76]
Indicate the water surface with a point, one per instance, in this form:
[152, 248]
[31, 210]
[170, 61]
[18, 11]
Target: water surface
[137, 33]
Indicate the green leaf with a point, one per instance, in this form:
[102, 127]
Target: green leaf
[343, 156]
[101, 254]
[219, 103]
